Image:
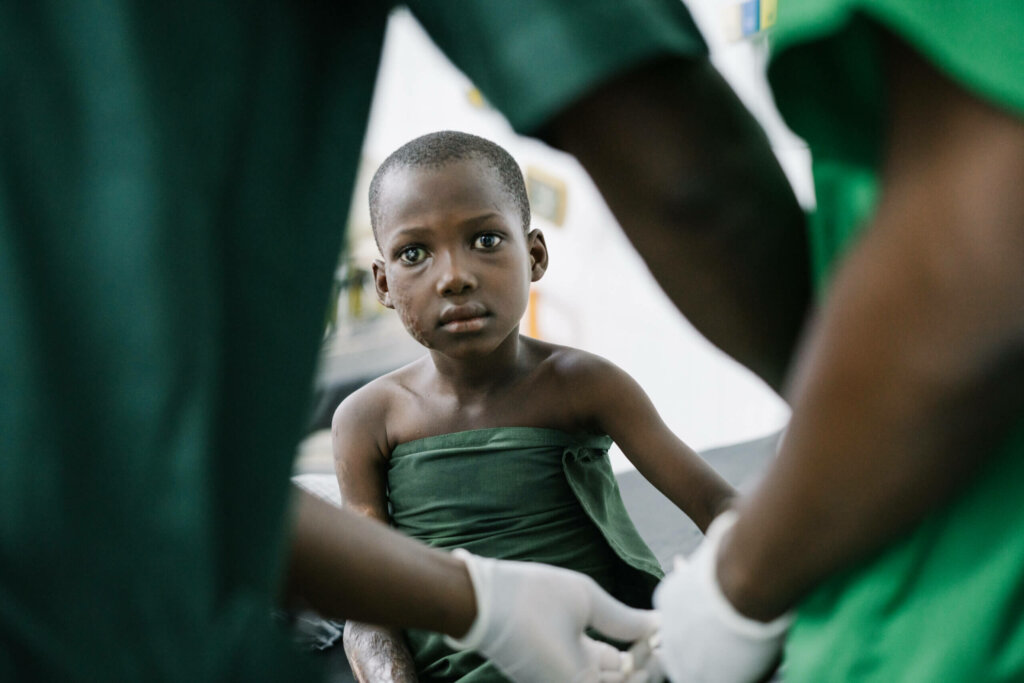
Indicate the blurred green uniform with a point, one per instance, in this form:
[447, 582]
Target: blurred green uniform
[174, 181]
[946, 602]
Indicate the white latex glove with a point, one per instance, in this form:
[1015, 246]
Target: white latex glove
[530, 622]
[703, 638]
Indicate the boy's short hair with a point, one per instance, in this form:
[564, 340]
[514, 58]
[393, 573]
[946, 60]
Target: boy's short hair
[443, 147]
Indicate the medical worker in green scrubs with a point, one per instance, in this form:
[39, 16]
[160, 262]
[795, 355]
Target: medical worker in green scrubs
[888, 532]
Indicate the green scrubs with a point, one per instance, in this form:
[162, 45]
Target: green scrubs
[516, 493]
[946, 602]
[174, 182]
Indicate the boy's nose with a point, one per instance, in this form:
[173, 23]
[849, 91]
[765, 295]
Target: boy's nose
[454, 278]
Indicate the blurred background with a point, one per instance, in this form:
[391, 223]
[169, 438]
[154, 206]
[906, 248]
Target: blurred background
[597, 294]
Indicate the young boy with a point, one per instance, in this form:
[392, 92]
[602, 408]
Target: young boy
[493, 442]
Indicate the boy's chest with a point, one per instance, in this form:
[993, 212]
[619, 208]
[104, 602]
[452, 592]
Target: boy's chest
[531, 404]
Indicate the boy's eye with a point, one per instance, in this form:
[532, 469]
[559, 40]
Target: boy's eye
[487, 240]
[412, 255]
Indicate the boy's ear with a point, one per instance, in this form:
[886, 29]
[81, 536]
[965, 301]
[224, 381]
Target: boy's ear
[538, 250]
[380, 283]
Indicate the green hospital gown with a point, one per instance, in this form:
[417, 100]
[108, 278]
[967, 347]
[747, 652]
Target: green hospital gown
[174, 184]
[945, 602]
[518, 493]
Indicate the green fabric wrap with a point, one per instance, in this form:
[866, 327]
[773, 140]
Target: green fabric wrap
[943, 603]
[517, 493]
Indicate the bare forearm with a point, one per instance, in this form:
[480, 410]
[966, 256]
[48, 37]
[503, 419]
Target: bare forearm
[347, 566]
[691, 178]
[888, 424]
[718, 496]
[702, 494]
[912, 376]
[378, 654]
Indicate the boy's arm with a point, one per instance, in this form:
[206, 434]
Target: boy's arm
[691, 178]
[621, 408]
[377, 654]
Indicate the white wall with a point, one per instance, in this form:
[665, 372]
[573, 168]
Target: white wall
[597, 294]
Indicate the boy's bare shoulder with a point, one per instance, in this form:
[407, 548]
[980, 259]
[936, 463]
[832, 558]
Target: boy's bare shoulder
[583, 381]
[585, 388]
[366, 413]
[572, 364]
[575, 388]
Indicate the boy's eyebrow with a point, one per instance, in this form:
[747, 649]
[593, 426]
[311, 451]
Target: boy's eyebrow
[414, 231]
[481, 218]
[409, 232]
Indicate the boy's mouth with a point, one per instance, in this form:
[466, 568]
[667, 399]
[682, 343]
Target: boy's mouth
[464, 318]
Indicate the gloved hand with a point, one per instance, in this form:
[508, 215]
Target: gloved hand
[703, 638]
[530, 622]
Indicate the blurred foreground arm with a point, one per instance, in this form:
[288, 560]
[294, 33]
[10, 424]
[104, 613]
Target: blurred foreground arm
[347, 566]
[691, 178]
[527, 618]
[911, 377]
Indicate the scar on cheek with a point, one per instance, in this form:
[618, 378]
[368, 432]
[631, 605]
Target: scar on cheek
[413, 330]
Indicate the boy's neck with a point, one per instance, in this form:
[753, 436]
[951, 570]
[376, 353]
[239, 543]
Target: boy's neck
[480, 374]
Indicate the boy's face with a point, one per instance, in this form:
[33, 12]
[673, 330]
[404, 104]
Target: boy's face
[456, 264]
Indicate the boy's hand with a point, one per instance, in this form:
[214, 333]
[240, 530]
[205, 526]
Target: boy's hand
[703, 637]
[530, 622]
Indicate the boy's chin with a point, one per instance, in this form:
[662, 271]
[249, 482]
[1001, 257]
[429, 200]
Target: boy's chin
[466, 351]
[468, 348]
